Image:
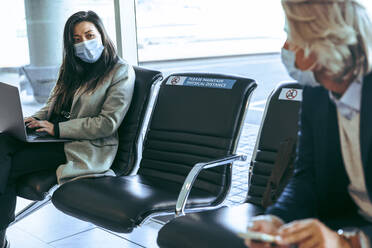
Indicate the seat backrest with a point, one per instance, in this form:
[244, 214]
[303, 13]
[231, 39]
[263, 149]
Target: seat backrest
[130, 128]
[279, 123]
[197, 117]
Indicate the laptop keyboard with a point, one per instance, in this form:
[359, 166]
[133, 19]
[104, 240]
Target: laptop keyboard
[32, 134]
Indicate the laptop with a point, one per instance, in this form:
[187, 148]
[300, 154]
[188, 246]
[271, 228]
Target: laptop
[11, 117]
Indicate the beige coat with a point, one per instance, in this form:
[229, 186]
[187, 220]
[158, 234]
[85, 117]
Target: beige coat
[95, 118]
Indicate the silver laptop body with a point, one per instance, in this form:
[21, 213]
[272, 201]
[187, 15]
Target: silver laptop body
[11, 116]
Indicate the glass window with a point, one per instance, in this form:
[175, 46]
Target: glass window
[104, 8]
[14, 28]
[13, 44]
[181, 29]
[31, 44]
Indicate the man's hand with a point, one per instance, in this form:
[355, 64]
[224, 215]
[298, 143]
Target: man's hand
[266, 224]
[310, 233]
[41, 126]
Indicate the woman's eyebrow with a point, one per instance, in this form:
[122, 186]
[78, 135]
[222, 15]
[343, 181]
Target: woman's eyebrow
[90, 30]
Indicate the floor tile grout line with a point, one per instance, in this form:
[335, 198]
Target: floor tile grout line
[72, 235]
[33, 235]
[117, 235]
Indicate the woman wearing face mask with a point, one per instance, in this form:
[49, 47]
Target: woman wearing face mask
[87, 105]
[328, 202]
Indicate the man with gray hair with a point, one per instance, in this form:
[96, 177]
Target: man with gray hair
[328, 202]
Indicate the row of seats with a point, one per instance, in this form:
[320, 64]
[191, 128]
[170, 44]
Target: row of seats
[185, 161]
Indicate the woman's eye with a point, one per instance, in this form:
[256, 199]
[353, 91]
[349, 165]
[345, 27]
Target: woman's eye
[90, 36]
[76, 40]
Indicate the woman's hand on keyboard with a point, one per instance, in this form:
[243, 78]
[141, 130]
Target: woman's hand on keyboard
[29, 119]
[41, 126]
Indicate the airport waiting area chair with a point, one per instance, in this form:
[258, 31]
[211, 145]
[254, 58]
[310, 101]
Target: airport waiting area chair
[277, 136]
[187, 156]
[40, 186]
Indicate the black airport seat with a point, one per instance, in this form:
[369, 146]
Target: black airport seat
[219, 227]
[189, 146]
[39, 186]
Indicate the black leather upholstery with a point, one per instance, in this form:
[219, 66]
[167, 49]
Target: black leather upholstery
[215, 228]
[130, 128]
[121, 203]
[281, 122]
[218, 228]
[36, 186]
[188, 125]
[191, 125]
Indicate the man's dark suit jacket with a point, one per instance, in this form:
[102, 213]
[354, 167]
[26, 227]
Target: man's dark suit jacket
[318, 188]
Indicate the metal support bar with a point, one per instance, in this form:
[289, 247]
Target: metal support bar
[145, 124]
[193, 174]
[34, 206]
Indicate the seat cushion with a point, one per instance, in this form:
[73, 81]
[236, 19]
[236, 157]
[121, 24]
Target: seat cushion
[215, 228]
[35, 186]
[121, 203]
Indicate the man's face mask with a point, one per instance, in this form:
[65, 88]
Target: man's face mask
[89, 51]
[305, 78]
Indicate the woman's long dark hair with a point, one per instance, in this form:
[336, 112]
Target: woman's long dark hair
[75, 73]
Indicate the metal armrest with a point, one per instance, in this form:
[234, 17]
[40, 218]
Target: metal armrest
[193, 174]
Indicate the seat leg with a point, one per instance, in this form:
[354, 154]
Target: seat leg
[32, 207]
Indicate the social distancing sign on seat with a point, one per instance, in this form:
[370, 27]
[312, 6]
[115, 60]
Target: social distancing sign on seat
[219, 83]
[291, 94]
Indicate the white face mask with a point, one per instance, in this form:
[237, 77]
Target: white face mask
[305, 78]
[89, 51]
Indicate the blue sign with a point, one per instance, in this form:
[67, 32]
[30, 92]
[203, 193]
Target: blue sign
[219, 83]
